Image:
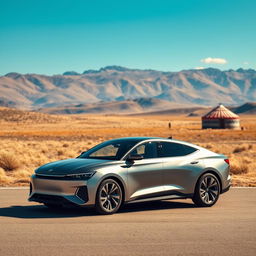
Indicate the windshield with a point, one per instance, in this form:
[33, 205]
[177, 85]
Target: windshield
[110, 150]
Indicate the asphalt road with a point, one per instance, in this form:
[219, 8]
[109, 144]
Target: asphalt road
[160, 228]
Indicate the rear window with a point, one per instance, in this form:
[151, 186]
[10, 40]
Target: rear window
[169, 149]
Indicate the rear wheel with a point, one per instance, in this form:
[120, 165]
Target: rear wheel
[109, 197]
[207, 190]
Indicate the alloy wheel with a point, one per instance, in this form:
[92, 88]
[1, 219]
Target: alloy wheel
[209, 189]
[110, 196]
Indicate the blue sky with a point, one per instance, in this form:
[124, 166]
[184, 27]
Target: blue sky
[50, 37]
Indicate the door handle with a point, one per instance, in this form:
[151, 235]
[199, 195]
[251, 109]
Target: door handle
[194, 162]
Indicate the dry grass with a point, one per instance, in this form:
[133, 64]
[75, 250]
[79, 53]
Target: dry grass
[240, 149]
[8, 162]
[51, 138]
[4, 179]
[239, 166]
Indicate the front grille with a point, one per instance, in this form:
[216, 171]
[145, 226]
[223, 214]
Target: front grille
[82, 193]
[59, 177]
[51, 177]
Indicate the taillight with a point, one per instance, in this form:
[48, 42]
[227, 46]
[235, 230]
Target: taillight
[227, 161]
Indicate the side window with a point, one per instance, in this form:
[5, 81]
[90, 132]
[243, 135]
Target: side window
[140, 150]
[169, 149]
[147, 150]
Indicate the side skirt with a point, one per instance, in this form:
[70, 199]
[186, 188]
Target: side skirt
[156, 198]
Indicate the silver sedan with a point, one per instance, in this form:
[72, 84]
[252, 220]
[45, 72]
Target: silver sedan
[129, 170]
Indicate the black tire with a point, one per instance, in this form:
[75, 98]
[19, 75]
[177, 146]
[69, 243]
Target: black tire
[53, 206]
[109, 197]
[207, 190]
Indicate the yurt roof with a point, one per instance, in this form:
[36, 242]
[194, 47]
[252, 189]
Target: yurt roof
[220, 112]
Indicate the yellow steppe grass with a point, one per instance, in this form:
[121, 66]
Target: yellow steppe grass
[27, 143]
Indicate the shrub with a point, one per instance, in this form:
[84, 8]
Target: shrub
[4, 179]
[247, 160]
[208, 146]
[238, 167]
[239, 149]
[8, 162]
[60, 152]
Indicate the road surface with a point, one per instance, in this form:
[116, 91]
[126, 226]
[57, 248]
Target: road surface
[160, 228]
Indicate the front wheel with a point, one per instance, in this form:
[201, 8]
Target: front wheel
[109, 197]
[207, 190]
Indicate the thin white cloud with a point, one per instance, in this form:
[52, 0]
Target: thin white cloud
[246, 63]
[199, 68]
[214, 60]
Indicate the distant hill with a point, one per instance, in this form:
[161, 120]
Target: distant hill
[189, 111]
[247, 108]
[141, 105]
[206, 87]
[134, 108]
[144, 107]
[20, 116]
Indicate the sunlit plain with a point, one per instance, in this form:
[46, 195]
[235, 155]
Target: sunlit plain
[29, 140]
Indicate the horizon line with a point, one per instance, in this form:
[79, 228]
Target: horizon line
[113, 67]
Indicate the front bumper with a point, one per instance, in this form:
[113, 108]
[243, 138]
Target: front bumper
[59, 192]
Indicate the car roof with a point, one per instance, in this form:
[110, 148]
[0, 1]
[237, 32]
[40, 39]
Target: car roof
[144, 139]
[136, 138]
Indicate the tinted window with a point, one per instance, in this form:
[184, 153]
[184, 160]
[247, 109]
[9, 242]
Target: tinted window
[168, 149]
[112, 149]
[108, 151]
[147, 150]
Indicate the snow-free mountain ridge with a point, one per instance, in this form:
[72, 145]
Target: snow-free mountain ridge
[159, 90]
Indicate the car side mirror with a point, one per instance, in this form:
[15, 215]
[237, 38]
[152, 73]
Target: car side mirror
[132, 158]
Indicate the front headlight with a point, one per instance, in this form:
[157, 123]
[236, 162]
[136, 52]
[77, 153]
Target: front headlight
[80, 176]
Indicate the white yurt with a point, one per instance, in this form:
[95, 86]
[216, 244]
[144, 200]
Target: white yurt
[220, 118]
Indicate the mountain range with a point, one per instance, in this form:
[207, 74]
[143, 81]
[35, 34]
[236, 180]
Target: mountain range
[131, 90]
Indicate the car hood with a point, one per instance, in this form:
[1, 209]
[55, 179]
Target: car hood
[70, 166]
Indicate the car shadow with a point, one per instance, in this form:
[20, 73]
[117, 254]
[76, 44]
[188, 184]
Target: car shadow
[41, 212]
[155, 205]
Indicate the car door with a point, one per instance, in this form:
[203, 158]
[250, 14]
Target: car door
[180, 166]
[145, 177]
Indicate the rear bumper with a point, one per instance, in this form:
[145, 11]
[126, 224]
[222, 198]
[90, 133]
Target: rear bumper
[59, 192]
[226, 186]
[225, 189]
